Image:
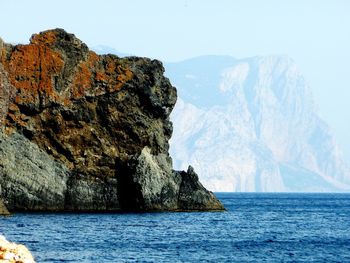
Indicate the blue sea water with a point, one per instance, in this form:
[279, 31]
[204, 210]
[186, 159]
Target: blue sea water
[255, 228]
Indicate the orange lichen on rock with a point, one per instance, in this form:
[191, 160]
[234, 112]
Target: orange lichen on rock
[93, 58]
[83, 76]
[82, 81]
[48, 38]
[123, 76]
[91, 74]
[56, 68]
[117, 74]
[31, 70]
[101, 76]
[110, 66]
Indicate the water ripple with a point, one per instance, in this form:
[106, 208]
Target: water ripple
[256, 227]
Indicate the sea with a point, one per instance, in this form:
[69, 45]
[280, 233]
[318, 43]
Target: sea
[257, 227]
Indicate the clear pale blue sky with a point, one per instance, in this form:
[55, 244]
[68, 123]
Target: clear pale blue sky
[315, 33]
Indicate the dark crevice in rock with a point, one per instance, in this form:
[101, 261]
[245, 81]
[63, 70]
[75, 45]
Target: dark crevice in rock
[129, 192]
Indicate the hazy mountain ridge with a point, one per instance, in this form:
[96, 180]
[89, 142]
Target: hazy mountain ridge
[251, 125]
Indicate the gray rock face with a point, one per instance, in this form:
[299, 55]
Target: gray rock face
[30, 178]
[91, 194]
[82, 132]
[5, 94]
[155, 183]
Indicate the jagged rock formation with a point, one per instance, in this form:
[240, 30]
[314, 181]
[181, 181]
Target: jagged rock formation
[14, 253]
[251, 125]
[86, 132]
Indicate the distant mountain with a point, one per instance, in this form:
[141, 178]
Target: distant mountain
[251, 125]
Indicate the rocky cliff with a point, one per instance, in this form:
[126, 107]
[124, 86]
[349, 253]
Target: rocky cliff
[86, 132]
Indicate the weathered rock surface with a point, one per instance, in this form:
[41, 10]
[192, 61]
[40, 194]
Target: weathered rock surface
[82, 132]
[3, 209]
[12, 252]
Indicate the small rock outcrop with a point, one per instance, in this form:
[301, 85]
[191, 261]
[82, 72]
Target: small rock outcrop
[83, 132]
[3, 209]
[14, 253]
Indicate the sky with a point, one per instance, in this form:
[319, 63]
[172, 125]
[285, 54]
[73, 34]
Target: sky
[315, 33]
